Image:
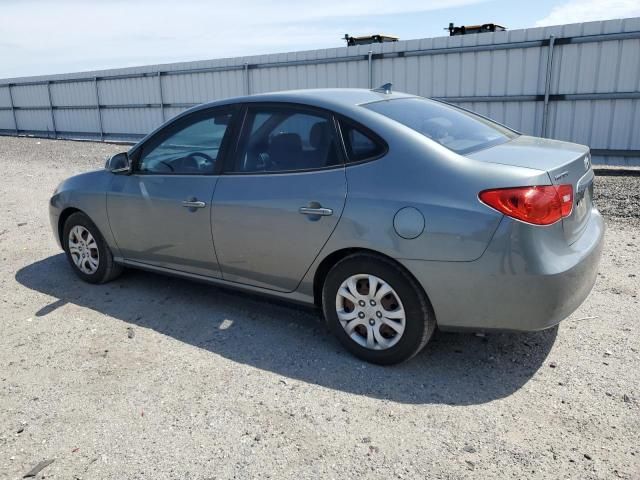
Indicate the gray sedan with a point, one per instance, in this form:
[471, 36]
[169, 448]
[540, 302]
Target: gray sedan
[391, 212]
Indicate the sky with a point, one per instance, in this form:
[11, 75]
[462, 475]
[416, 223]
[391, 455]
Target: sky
[58, 36]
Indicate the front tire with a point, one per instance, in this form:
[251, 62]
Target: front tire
[87, 252]
[376, 309]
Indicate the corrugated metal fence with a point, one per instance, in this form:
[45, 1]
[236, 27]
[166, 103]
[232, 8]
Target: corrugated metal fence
[578, 82]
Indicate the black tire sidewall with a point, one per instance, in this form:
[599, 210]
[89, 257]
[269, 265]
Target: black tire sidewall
[103, 250]
[413, 300]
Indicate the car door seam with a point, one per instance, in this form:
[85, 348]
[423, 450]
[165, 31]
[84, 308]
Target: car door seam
[344, 206]
[106, 207]
[211, 223]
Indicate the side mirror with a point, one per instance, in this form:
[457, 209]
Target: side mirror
[119, 163]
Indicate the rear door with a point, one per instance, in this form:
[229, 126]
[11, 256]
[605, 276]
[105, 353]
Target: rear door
[280, 197]
[160, 215]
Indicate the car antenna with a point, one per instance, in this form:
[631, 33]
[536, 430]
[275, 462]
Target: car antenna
[386, 88]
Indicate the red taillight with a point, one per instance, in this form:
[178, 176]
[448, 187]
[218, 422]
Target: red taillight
[566, 199]
[540, 205]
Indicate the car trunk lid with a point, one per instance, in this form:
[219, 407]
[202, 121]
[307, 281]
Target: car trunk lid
[566, 163]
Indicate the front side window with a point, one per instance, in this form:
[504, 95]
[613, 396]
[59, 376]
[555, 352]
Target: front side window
[454, 128]
[277, 139]
[192, 149]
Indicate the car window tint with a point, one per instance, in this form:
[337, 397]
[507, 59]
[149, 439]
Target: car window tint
[285, 139]
[258, 120]
[458, 130]
[191, 150]
[360, 145]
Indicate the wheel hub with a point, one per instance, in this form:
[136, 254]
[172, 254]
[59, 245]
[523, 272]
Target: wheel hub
[370, 311]
[83, 250]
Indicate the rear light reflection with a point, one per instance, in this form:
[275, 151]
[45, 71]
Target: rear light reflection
[539, 205]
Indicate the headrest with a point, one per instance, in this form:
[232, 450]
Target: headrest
[319, 134]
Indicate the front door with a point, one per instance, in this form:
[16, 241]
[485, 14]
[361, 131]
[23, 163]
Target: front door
[160, 215]
[280, 197]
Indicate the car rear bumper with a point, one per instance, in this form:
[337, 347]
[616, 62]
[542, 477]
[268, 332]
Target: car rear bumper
[528, 279]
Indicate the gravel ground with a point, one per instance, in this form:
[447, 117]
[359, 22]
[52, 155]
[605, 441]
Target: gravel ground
[618, 197]
[154, 377]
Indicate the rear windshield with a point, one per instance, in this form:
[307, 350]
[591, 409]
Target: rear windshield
[454, 128]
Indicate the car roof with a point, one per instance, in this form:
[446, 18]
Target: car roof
[320, 97]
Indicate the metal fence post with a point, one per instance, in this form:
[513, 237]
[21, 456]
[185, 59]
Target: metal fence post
[53, 118]
[95, 84]
[246, 78]
[161, 96]
[547, 88]
[13, 110]
[370, 69]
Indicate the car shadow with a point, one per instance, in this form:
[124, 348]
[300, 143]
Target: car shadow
[454, 369]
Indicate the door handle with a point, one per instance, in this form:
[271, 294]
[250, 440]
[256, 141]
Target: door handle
[193, 204]
[321, 211]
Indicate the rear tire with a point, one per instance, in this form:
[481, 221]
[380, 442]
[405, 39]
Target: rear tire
[388, 325]
[87, 252]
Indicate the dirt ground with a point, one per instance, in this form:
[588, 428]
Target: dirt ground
[151, 377]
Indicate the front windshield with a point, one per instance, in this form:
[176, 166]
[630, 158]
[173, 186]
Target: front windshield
[454, 128]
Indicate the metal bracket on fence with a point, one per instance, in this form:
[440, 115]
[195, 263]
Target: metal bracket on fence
[370, 65]
[13, 110]
[161, 97]
[547, 88]
[53, 117]
[95, 84]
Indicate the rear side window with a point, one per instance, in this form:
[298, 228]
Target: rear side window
[285, 139]
[360, 144]
[454, 128]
